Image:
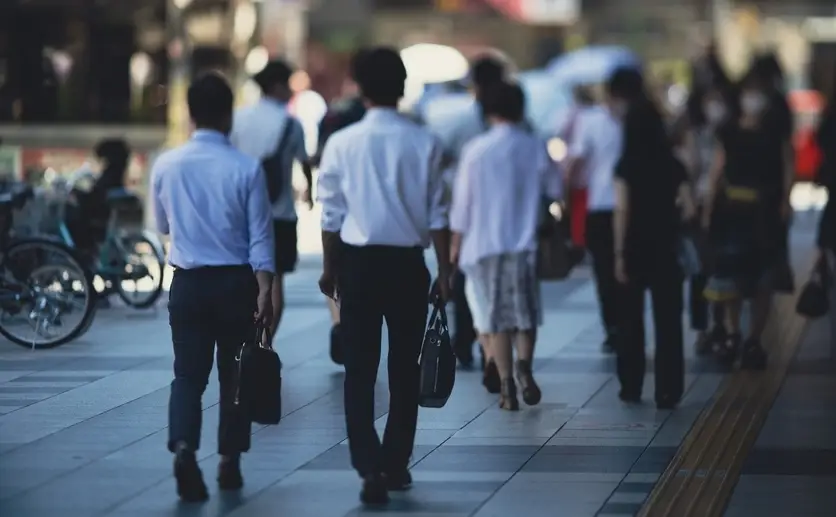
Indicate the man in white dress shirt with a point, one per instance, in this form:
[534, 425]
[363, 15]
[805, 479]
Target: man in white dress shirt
[211, 200]
[594, 151]
[384, 200]
[268, 132]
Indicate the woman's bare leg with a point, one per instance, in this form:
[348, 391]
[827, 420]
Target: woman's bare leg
[525, 359]
[732, 312]
[525, 345]
[503, 356]
[485, 343]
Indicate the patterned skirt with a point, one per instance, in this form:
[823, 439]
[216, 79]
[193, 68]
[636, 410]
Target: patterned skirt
[503, 293]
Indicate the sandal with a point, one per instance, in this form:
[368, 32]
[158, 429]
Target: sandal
[490, 378]
[508, 396]
[728, 350]
[530, 391]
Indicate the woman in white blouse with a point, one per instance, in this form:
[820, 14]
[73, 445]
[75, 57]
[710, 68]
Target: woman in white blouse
[504, 177]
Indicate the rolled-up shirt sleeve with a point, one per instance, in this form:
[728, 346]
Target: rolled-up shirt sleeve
[439, 191]
[160, 216]
[329, 192]
[460, 208]
[259, 221]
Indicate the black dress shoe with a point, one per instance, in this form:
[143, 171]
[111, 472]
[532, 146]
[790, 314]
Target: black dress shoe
[229, 475]
[190, 485]
[630, 396]
[374, 490]
[666, 402]
[399, 481]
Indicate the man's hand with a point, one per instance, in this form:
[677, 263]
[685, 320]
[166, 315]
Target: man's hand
[264, 311]
[307, 199]
[621, 271]
[328, 285]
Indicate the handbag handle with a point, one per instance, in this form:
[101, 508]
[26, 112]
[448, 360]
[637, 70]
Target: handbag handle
[258, 338]
[439, 313]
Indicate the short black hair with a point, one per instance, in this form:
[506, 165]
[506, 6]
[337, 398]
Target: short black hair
[768, 67]
[487, 70]
[113, 149]
[210, 100]
[381, 75]
[626, 83]
[505, 100]
[275, 73]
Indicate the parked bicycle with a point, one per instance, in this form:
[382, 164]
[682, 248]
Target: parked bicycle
[46, 294]
[128, 262]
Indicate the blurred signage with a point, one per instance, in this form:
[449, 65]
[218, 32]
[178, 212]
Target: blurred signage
[541, 12]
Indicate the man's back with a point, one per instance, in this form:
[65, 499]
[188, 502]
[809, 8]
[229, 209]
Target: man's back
[257, 130]
[597, 140]
[385, 167]
[205, 188]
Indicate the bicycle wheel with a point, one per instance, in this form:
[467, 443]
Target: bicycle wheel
[53, 298]
[142, 282]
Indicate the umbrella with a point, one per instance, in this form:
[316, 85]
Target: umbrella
[592, 64]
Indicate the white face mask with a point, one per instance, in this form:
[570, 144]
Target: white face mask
[752, 103]
[715, 111]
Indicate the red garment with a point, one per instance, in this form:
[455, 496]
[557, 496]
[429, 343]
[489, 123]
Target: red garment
[807, 155]
[577, 207]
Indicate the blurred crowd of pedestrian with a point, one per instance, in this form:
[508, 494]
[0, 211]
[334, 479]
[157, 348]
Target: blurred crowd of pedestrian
[706, 199]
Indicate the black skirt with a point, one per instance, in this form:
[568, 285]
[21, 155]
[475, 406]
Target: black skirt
[745, 240]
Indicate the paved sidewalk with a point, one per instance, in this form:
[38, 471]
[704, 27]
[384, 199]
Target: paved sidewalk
[82, 428]
[791, 472]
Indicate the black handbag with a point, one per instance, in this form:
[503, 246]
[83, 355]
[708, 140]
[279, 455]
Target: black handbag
[814, 301]
[437, 362]
[259, 390]
[555, 257]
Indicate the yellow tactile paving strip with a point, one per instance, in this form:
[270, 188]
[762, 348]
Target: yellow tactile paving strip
[700, 479]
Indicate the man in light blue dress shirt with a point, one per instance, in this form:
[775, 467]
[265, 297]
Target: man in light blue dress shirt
[212, 200]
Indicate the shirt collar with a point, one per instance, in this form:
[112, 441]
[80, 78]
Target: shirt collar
[210, 136]
[503, 127]
[382, 114]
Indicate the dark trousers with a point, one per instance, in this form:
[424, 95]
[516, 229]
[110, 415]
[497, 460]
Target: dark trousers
[698, 305]
[380, 283]
[211, 313]
[463, 320]
[665, 285]
[599, 241]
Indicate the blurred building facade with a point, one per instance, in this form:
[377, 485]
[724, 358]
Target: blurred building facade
[114, 61]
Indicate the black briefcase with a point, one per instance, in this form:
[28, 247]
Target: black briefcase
[437, 362]
[259, 390]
